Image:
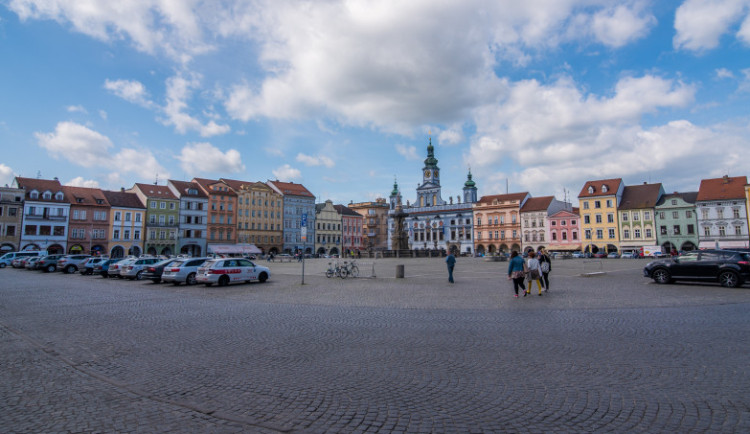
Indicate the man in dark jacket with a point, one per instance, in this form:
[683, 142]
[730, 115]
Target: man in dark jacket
[451, 262]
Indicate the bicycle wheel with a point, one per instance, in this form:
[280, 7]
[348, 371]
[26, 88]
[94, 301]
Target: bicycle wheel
[354, 271]
[344, 273]
[329, 273]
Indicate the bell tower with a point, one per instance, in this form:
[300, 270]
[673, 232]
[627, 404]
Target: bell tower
[428, 194]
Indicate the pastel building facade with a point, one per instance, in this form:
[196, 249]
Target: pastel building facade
[598, 202]
[162, 218]
[193, 217]
[637, 216]
[722, 213]
[374, 223]
[535, 226]
[351, 230]
[298, 206]
[497, 223]
[88, 226]
[565, 230]
[327, 229]
[127, 217]
[45, 215]
[677, 222]
[11, 219]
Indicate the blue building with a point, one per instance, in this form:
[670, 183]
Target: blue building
[298, 203]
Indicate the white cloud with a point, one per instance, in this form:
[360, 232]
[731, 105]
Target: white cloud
[408, 152]
[179, 90]
[724, 73]
[6, 175]
[286, 173]
[130, 90]
[562, 135]
[201, 158]
[699, 24]
[153, 26]
[88, 148]
[77, 144]
[103, 114]
[79, 181]
[76, 109]
[451, 136]
[621, 24]
[320, 160]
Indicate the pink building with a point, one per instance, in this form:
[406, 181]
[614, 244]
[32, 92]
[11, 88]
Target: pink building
[351, 230]
[565, 231]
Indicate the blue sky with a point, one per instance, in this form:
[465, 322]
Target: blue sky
[342, 96]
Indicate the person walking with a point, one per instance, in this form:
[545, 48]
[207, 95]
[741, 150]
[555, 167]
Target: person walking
[516, 272]
[451, 262]
[534, 271]
[545, 265]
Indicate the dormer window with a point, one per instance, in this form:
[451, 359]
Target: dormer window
[47, 195]
[591, 189]
[34, 194]
[100, 201]
[79, 200]
[604, 188]
[59, 196]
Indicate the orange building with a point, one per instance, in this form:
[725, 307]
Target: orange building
[497, 223]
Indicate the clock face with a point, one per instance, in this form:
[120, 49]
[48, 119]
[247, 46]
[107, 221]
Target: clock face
[436, 174]
[426, 173]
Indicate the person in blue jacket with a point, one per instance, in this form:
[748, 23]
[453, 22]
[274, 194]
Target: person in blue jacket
[451, 262]
[516, 272]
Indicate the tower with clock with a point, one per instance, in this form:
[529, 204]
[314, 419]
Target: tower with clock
[428, 193]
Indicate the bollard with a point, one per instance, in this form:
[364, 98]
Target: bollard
[400, 271]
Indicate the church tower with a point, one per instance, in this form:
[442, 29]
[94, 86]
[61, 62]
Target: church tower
[395, 196]
[428, 194]
[470, 190]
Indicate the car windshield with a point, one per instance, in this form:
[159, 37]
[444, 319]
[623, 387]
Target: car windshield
[177, 263]
[211, 263]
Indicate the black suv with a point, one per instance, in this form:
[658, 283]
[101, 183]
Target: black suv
[729, 268]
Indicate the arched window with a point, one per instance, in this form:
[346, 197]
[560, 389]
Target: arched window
[47, 195]
[34, 194]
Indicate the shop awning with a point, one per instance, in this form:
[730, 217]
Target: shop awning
[564, 247]
[723, 244]
[234, 249]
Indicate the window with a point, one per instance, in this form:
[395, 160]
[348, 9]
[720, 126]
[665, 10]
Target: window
[690, 229]
[609, 203]
[663, 230]
[636, 216]
[610, 218]
[586, 219]
[575, 235]
[736, 213]
[624, 216]
[704, 214]
[648, 232]
[153, 204]
[597, 204]
[720, 212]
[637, 233]
[162, 205]
[10, 231]
[554, 236]
[722, 231]
[626, 234]
[586, 205]
[138, 217]
[126, 234]
[599, 234]
[116, 234]
[738, 230]
[171, 205]
[611, 234]
[647, 215]
[598, 218]
[706, 231]
[117, 216]
[588, 234]
[137, 234]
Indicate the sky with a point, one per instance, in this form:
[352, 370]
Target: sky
[344, 96]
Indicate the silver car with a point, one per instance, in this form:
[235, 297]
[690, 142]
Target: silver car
[182, 270]
[116, 267]
[71, 263]
[135, 269]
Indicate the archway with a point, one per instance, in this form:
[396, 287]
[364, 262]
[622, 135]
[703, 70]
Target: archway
[7, 247]
[308, 250]
[274, 251]
[516, 247]
[75, 249]
[31, 247]
[55, 249]
[97, 250]
[591, 248]
[668, 247]
[504, 248]
[321, 251]
[167, 251]
[454, 250]
[134, 251]
[151, 251]
[117, 252]
[611, 248]
[334, 251]
[480, 249]
[688, 245]
[492, 249]
[528, 249]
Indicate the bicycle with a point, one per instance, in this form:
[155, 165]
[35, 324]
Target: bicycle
[334, 270]
[351, 269]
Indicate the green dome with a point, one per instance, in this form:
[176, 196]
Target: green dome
[469, 183]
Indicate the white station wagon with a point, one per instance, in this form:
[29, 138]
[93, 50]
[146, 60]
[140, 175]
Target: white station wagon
[231, 270]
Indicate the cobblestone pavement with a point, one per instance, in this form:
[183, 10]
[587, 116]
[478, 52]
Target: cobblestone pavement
[611, 353]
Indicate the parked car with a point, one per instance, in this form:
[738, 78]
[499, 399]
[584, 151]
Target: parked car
[134, 270]
[577, 254]
[600, 255]
[102, 268]
[730, 269]
[19, 262]
[116, 267]
[231, 270]
[87, 268]
[8, 258]
[155, 271]
[30, 263]
[49, 263]
[71, 263]
[613, 255]
[630, 254]
[183, 270]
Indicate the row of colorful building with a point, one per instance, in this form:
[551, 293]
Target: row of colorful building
[204, 216]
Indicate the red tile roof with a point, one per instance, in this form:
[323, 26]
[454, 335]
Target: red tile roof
[206, 185]
[722, 188]
[290, 188]
[613, 185]
[343, 210]
[123, 199]
[42, 185]
[85, 196]
[156, 191]
[503, 197]
[184, 186]
[537, 204]
[640, 196]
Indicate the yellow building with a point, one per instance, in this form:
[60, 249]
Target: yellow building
[598, 203]
[126, 218]
[260, 211]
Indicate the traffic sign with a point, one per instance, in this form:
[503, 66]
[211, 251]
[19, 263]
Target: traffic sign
[303, 221]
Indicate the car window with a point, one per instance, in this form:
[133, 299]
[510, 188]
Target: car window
[245, 263]
[689, 257]
[209, 264]
[708, 256]
[177, 263]
[196, 262]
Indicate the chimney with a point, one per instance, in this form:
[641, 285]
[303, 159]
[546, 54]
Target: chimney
[726, 179]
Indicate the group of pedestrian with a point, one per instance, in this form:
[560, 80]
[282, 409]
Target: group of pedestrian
[535, 269]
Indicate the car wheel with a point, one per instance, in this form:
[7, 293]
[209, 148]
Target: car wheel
[190, 279]
[661, 276]
[70, 269]
[50, 268]
[2, 265]
[224, 281]
[729, 279]
[139, 275]
[263, 277]
[156, 280]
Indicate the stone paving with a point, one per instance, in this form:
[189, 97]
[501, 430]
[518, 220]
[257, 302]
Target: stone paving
[613, 353]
